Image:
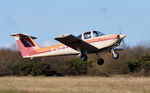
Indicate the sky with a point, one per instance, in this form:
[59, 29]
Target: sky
[47, 19]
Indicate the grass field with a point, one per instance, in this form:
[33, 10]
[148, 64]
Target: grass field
[116, 84]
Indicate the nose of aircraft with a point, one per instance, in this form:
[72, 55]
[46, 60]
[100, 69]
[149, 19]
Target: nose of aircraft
[122, 36]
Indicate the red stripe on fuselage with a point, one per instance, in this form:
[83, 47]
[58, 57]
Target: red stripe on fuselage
[102, 39]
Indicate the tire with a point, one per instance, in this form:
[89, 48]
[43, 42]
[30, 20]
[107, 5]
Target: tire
[100, 61]
[115, 55]
[84, 57]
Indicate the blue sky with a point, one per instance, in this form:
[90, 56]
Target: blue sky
[47, 19]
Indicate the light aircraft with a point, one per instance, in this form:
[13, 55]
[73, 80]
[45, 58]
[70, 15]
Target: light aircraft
[86, 43]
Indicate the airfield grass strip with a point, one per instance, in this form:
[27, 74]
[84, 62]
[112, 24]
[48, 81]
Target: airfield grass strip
[118, 84]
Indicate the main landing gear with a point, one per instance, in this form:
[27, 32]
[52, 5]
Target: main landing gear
[84, 57]
[100, 61]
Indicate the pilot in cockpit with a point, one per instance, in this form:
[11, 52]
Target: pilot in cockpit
[87, 35]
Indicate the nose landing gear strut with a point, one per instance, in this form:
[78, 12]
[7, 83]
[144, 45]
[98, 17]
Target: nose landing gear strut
[115, 55]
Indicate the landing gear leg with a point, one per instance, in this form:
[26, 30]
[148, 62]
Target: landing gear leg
[100, 61]
[115, 55]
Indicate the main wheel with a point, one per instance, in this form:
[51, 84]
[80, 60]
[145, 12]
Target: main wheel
[115, 55]
[84, 57]
[100, 61]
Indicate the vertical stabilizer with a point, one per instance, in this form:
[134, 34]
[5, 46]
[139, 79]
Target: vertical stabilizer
[26, 44]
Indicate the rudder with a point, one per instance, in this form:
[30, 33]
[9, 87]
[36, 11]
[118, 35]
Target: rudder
[26, 44]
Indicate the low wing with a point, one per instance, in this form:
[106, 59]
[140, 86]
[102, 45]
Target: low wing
[76, 43]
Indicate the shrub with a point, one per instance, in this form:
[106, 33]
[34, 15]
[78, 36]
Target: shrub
[37, 69]
[141, 65]
[76, 67]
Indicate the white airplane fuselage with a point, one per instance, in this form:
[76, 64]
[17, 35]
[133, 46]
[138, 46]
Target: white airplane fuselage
[99, 43]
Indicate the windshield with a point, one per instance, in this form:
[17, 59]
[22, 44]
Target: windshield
[96, 34]
[80, 36]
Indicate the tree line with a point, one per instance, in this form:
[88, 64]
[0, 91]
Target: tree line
[133, 61]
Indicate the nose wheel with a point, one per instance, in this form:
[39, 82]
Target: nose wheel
[115, 55]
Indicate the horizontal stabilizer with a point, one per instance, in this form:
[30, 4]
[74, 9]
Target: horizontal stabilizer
[23, 35]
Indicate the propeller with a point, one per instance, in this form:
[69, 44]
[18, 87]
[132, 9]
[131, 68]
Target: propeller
[123, 44]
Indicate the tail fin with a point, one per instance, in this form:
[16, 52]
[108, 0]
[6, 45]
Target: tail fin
[26, 44]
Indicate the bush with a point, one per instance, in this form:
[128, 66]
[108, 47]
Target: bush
[76, 67]
[8, 61]
[141, 66]
[37, 69]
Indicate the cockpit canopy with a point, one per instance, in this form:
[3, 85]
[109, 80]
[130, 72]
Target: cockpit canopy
[90, 34]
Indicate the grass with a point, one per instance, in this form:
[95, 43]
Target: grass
[75, 84]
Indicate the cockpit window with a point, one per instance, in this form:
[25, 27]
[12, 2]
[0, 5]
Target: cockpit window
[87, 35]
[96, 34]
[80, 37]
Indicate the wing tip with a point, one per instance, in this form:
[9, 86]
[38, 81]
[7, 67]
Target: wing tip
[62, 36]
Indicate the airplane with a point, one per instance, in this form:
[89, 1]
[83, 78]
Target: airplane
[86, 43]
